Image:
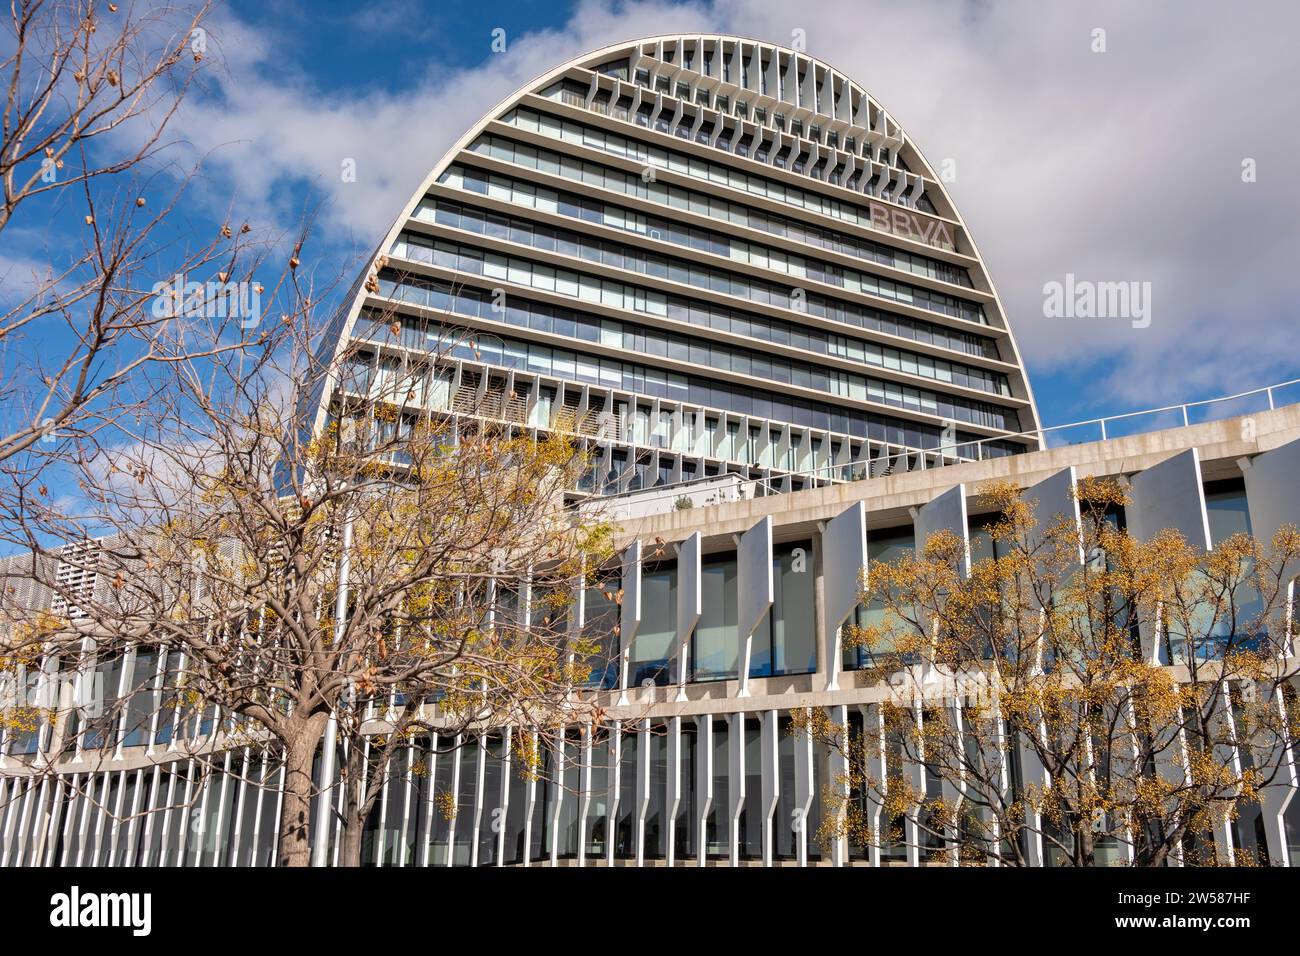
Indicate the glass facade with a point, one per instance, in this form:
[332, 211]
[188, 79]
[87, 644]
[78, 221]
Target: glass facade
[682, 348]
[616, 247]
[655, 641]
[884, 546]
[1232, 621]
[746, 283]
[616, 375]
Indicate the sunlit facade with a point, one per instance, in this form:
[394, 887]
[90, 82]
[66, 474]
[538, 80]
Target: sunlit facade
[733, 276]
[703, 255]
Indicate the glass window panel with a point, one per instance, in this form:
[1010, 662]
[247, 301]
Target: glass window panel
[794, 642]
[715, 647]
[652, 648]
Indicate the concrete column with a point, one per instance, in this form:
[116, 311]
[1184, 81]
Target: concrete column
[673, 794]
[479, 778]
[1276, 797]
[320, 836]
[164, 841]
[614, 780]
[76, 800]
[557, 772]
[257, 807]
[10, 809]
[237, 825]
[642, 788]
[1173, 765]
[455, 801]
[838, 770]
[428, 810]
[1229, 756]
[279, 811]
[404, 829]
[1032, 774]
[507, 744]
[205, 791]
[703, 783]
[736, 781]
[915, 767]
[769, 770]
[803, 794]
[584, 787]
[994, 756]
[954, 791]
[56, 815]
[877, 769]
[530, 805]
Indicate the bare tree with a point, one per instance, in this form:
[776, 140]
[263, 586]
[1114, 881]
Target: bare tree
[90, 91]
[1131, 707]
[356, 586]
[124, 291]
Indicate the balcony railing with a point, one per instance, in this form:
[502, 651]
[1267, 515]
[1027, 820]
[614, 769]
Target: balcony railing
[886, 459]
[1263, 399]
[878, 458]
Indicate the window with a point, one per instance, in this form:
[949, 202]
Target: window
[884, 546]
[1225, 504]
[653, 646]
[714, 645]
[785, 641]
[600, 618]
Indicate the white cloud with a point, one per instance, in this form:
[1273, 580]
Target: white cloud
[258, 135]
[21, 277]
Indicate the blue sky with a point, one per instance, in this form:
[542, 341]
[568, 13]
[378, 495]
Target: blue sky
[1122, 165]
[386, 45]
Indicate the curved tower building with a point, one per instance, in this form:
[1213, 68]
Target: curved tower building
[704, 255]
[726, 271]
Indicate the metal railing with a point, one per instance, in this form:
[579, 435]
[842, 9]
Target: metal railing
[891, 458]
[884, 458]
[1170, 416]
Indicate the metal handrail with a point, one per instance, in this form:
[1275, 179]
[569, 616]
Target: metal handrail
[1183, 407]
[829, 472]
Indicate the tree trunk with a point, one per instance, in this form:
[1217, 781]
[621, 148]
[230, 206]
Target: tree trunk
[360, 796]
[295, 822]
[1086, 845]
[350, 850]
[353, 819]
